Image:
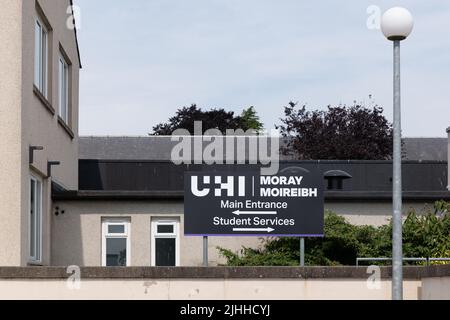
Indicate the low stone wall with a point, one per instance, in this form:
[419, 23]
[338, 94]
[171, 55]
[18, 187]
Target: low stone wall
[221, 283]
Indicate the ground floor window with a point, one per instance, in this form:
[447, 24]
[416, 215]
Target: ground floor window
[165, 243]
[35, 220]
[116, 243]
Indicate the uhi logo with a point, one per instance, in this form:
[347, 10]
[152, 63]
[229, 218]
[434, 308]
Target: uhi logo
[223, 188]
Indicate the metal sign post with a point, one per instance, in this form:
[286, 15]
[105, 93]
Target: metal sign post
[302, 252]
[205, 251]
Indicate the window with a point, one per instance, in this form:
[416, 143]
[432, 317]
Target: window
[41, 57]
[165, 243]
[35, 220]
[63, 85]
[116, 243]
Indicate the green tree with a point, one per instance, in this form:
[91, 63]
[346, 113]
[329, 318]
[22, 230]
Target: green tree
[251, 120]
[219, 119]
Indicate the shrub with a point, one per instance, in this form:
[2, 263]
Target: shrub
[424, 236]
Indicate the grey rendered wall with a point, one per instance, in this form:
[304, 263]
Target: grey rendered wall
[39, 126]
[76, 235]
[372, 213]
[11, 205]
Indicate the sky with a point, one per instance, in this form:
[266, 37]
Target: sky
[144, 59]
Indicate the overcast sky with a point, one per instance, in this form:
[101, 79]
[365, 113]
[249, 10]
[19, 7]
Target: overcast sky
[143, 59]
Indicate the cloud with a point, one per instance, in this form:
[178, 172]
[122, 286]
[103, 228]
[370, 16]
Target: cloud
[144, 59]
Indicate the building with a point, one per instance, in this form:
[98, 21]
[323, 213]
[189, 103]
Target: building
[131, 181]
[40, 64]
[119, 201]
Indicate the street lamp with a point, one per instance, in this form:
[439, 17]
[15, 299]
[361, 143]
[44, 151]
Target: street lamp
[397, 24]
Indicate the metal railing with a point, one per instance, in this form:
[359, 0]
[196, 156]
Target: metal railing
[426, 260]
[439, 259]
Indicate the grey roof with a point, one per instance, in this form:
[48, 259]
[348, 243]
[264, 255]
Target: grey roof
[125, 148]
[425, 149]
[158, 148]
[153, 148]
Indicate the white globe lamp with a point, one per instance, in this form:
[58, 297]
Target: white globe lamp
[397, 23]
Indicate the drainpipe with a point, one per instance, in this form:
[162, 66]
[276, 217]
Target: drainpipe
[448, 158]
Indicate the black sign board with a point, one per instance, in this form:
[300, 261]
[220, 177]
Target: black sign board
[249, 204]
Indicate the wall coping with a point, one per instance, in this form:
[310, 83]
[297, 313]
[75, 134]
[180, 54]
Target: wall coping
[42, 273]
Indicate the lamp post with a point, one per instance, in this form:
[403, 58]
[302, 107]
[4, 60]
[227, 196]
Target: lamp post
[397, 24]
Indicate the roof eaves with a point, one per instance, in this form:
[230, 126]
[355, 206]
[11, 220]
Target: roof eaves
[76, 35]
[117, 195]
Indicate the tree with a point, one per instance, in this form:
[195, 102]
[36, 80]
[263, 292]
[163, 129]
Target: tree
[250, 120]
[344, 133]
[211, 119]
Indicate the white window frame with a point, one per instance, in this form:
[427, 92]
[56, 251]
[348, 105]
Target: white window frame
[106, 235]
[37, 258]
[41, 57]
[63, 88]
[155, 235]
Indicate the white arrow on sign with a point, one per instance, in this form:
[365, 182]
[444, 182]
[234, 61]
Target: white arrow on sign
[268, 230]
[239, 212]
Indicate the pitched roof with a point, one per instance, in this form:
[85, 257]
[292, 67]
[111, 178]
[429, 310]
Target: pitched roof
[425, 149]
[159, 148]
[154, 148]
[125, 148]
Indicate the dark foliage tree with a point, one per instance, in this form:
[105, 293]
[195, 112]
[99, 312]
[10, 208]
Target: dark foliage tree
[211, 119]
[344, 133]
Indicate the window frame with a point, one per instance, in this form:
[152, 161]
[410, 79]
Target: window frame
[63, 71]
[106, 235]
[155, 235]
[41, 70]
[37, 258]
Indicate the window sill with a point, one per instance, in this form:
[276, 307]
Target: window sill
[66, 127]
[44, 100]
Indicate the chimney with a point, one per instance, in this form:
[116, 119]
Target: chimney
[448, 158]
